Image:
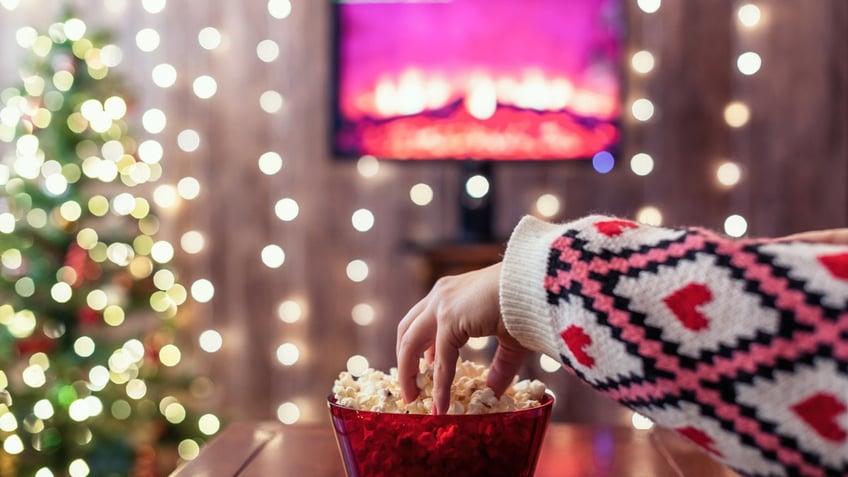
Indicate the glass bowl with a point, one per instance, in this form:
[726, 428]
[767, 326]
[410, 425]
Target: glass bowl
[374, 444]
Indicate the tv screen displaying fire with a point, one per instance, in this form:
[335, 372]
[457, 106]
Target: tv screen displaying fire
[477, 79]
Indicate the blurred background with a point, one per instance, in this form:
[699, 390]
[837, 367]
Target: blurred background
[293, 258]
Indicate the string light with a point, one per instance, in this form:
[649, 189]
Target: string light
[209, 38]
[204, 87]
[270, 163]
[735, 225]
[290, 311]
[649, 215]
[362, 314]
[211, 341]
[547, 205]
[421, 194]
[362, 220]
[267, 50]
[271, 102]
[368, 166]
[357, 270]
[477, 186]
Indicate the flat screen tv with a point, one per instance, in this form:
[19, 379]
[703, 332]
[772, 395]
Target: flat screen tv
[476, 79]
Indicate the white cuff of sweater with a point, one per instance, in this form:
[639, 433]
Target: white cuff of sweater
[523, 299]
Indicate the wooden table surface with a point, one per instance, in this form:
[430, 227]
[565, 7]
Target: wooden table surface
[266, 449]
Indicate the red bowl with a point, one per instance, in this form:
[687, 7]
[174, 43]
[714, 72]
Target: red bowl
[374, 444]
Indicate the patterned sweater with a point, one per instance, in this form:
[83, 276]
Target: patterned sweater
[741, 346]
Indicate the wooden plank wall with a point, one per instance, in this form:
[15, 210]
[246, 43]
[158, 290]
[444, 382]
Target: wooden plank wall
[794, 154]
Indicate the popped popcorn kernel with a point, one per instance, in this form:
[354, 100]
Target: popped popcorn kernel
[375, 390]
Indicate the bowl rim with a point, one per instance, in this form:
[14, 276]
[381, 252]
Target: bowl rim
[547, 401]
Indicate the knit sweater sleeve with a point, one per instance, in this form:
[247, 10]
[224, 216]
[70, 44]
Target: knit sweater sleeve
[741, 346]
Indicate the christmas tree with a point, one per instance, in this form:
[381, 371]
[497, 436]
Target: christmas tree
[91, 378]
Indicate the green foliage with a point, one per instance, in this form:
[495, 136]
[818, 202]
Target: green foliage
[82, 319]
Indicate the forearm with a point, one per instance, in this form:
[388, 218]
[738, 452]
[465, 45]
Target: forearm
[690, 328]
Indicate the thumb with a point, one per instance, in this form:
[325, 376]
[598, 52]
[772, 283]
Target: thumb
[507, 361]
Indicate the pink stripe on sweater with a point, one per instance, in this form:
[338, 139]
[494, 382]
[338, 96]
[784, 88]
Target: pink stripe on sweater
[780, 348]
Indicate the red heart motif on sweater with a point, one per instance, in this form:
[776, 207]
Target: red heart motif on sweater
[836, 264]
[684, 304]
[819, 411]
[576, 339]
[612, 228]
[699, 437]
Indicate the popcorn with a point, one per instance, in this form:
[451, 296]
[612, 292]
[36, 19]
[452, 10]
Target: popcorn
[377, 391]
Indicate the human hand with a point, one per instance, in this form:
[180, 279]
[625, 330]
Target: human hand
[457, 308]
[831, 236]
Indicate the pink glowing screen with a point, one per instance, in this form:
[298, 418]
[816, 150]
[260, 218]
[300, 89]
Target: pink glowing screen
[477, 79]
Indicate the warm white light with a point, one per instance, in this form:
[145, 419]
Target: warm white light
[477, 186]
[279, 8]
[737, 114]
[61, 292]
[150, 151]
[547, 205]
[162, 252]
[749, 15]
[165, 196]
[270, 163]
[13, 445]
[147, 40]
[357, 365]
[641, 422]
[649, 215]
[362, 220]
[749, 63]
[642, 164]
[728, 174]
[271, 102]
[209, 424]
[205, 87]
[10, 5]
[421, 194]
[267, 50]
[288, 354]
[368, 166]
[164, 75]
[170, 355]
[288, 413]
[202, 290]
[642, 61]
[210, 341]
[286, 209]
[188, 188]
[43, 409]
[273, 256]
[362, 314]
[192, 242]
[154, 121]
[153, 6]
[649, 6]
[188, 449]
[478, 343]
[25, 36]
[188, 140]
[74, 29]
[735, 225]
[357, 270]
[111, 55]
[642, 109]
[289, 311]
[549, 364]
[209, 38]
[33, 376]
